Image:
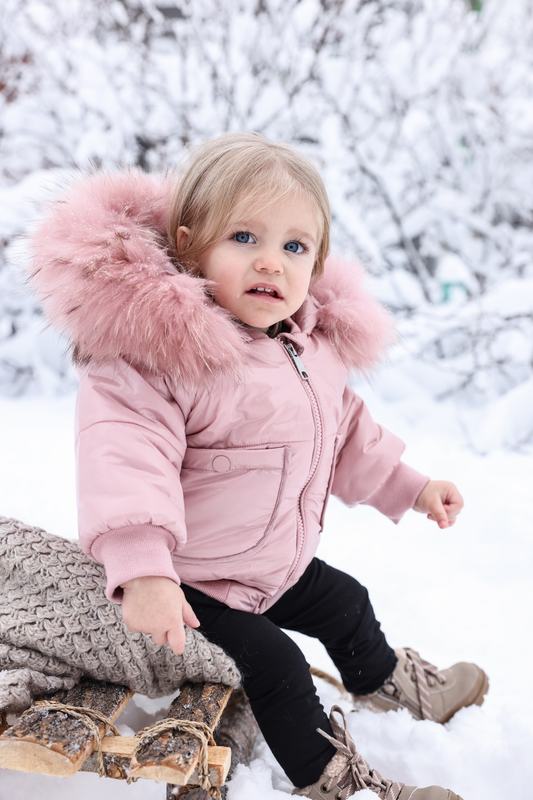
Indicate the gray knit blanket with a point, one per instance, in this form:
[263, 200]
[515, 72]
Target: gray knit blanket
[57, 625]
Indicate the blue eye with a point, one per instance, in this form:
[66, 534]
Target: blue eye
[294, 247]
[244, 238]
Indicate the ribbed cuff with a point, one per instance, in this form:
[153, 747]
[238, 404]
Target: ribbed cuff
[135, 551]
[399, 492]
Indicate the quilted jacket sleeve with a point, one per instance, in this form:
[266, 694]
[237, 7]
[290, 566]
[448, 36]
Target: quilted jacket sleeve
[130, 442]
[369, 469]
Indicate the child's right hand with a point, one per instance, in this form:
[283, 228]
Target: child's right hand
[157, 606]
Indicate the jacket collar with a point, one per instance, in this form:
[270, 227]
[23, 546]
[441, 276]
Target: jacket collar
[103, 273]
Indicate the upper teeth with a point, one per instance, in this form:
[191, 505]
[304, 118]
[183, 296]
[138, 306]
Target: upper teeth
[262, 289]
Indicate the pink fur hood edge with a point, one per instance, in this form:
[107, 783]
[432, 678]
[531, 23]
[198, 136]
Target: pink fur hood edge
[103, 274]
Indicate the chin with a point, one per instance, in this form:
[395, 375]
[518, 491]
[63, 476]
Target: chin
[259, 323]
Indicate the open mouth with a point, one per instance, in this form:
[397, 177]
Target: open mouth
[266, 291]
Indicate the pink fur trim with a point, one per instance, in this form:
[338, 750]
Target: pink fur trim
[358, 327]
[105, 278]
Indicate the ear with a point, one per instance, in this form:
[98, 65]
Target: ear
[183, 238]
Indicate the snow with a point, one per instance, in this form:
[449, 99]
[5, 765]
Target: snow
[460, 594]
[421, 126]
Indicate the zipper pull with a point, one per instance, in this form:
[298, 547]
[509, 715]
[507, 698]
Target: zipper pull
[298, 363]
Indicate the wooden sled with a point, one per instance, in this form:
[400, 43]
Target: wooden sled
[54, 742]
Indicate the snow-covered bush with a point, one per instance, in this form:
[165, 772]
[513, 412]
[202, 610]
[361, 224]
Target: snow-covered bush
[419, 114]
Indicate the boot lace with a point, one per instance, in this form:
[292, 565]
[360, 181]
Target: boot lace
[356, 775]
[423, 674]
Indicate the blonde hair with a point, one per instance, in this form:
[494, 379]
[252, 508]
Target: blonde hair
[233, 172]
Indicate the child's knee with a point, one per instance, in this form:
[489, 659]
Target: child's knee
[280, 666]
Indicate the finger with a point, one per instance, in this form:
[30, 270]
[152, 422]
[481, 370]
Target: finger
[456, 498]
[452, 510]
[442, 523]
[129, 624]
[176, 639]
[131, 628]
[159, 638]
[189, 617]
[452, 513]
[438, 514]
[453, 501]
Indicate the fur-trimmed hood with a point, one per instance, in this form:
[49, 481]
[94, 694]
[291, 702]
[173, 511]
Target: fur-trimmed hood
[103, 273]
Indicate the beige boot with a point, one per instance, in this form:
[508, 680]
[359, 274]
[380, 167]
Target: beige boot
[425, 691]
[348, 773]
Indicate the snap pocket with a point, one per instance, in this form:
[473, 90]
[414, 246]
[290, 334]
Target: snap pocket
[232, 499]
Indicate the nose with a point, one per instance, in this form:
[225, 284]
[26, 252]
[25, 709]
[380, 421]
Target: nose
[268, 262]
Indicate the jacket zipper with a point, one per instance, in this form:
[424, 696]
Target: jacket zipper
[304, 375]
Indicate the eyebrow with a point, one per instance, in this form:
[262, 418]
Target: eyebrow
[247, 223]
[306, 234]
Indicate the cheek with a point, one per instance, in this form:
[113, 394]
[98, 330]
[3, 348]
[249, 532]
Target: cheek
[304, 281]
[225, 288]
[214, 269]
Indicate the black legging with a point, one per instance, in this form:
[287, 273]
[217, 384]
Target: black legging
[326, 604]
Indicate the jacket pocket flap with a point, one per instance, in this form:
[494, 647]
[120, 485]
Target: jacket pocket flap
[233, 460]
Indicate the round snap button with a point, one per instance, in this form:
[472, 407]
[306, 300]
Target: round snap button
[221, 463]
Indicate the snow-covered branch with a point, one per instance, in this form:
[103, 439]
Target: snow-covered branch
[418, 113]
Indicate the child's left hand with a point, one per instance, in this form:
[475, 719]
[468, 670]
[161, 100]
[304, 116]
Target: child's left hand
[441, 501]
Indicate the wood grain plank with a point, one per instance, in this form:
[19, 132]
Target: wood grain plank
[118, 750]
[173, 756]
[237, 730]
[54, 743]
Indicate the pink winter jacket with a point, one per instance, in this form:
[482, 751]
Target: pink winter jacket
[205, 450]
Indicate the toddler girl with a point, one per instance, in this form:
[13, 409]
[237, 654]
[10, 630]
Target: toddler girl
[214, 418]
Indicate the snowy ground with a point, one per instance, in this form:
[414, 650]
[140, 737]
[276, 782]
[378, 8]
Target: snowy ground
[463, 594]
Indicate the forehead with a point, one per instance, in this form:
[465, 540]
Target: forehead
[293, 211]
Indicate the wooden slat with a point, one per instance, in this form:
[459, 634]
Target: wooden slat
[55, 743]
[172, 756]
[118, 750]
[188, 793]
[237, 730]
